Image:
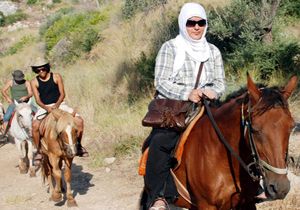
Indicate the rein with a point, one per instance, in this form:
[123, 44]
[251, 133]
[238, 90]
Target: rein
[257, 161]
[256, 168]
[227, 145]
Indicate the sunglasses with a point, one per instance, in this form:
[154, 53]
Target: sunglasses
[41, 69]
[192, 23]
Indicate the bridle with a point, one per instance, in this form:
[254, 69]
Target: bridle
[259, 164]
[255, 169]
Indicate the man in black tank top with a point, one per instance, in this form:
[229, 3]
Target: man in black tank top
[49, 93]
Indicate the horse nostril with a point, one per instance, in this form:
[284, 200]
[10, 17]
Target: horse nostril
[273, 188]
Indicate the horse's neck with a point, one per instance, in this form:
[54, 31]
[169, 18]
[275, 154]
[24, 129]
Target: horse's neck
[228, 118]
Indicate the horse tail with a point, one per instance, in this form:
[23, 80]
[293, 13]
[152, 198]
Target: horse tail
[45, 168]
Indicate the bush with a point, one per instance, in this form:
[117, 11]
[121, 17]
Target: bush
[132, 6]
[19, 45]
[290, 8]
[32, 2]
[18, 16]
[55, 17]
[81, 31]
[238, 31]
[2, 19]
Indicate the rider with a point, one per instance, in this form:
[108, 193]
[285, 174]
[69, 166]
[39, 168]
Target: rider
[20, 91]
[176, 68]
[49, 93]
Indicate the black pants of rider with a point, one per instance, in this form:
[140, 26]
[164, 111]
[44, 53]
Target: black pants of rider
[158, 180]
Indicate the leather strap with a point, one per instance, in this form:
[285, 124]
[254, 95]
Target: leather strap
[199, 75]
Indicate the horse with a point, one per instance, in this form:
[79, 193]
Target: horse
[21, 131]
[223, 170]
[58, 145]
[2, 112]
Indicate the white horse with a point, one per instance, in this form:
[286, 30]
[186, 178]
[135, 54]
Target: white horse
[21, 131]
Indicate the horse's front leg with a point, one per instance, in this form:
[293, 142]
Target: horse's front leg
[30, 157]
[56, 194]
[22, 160]
[68, 176]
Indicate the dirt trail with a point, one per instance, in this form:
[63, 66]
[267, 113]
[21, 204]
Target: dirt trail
[94, 189]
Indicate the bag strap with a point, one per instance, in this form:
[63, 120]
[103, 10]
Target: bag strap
[199, 75]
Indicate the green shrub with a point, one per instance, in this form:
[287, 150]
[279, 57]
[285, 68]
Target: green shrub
[2, 19]
[32, 2]
[55, 17]
[133, 6]
[238, 31]
[290, 8]
[81, 31]
[18, 16]
[19, 45]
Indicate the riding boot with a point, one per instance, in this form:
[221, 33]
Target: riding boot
[4, 136]
[38, 156]
[81, 151]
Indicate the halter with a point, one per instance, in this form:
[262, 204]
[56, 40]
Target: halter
[259, 164]
[256, 168]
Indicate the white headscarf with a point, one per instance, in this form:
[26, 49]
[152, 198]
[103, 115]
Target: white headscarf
[197, 49]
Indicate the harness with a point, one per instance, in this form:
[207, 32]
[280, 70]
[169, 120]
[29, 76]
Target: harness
[255, 169]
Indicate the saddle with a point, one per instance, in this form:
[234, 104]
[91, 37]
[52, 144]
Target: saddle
[179, 147]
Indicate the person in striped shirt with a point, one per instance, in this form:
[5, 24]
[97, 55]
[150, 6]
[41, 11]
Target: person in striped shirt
[176, 68]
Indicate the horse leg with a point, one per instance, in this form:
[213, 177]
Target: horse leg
[68, 174]
[56, 194]
[22, 163]
[30, 157]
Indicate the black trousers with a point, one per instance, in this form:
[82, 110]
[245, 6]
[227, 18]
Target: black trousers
[158, 180]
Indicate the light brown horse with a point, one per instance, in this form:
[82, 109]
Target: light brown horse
[58, 145]
[257, 125]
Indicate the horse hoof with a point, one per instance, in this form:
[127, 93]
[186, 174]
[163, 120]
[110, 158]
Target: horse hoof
[71, 203]
[23, 170]
[56, 197]
[32, 173]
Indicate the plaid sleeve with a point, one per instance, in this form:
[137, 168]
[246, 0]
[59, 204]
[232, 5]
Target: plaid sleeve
[218, 83]
[164, 83]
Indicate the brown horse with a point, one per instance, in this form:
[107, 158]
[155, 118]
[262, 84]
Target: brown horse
[58, 144]
[257, 125]
[223, 170]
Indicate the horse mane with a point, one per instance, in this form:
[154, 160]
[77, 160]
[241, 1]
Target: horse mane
[56, 121]
[22, 105]
[271, 97]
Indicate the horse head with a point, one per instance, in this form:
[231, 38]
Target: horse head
[24, 116]
[67, 132]
[270, 126]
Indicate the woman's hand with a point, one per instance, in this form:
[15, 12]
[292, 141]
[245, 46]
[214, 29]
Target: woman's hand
[211, 94]
[195, 95]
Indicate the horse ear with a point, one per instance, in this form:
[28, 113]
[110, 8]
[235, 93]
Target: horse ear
[290, 87]
[254, 92]
[16, 102]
